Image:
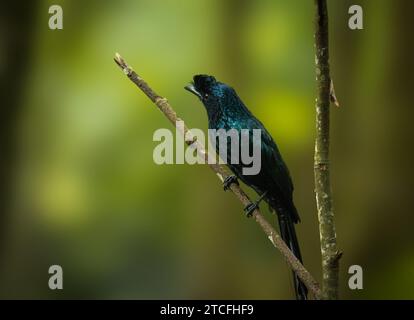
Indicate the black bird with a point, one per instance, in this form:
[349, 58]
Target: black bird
[273, 183]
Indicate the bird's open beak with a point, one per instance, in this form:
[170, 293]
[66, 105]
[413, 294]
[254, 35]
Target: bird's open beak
[190, 87]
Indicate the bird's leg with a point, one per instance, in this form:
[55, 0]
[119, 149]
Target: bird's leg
[254, 205]
[229, 181]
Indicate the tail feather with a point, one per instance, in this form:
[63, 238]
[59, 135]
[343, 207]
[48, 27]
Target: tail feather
[288, 234]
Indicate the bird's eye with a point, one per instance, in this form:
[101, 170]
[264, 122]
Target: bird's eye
[205, 95]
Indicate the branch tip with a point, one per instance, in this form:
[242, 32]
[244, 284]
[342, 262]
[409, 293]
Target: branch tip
[122, 64]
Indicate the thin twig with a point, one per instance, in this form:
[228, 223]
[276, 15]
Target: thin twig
[332, 94]
[272, 235]
[330, 253]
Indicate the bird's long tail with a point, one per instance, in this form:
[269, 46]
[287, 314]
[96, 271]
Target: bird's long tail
[288, 234]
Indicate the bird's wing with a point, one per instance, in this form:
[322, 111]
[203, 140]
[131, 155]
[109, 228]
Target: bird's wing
[276, 170]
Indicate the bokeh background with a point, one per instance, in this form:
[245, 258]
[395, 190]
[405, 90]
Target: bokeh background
[79, 187]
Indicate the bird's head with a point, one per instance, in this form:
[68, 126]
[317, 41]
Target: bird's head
[211, 92]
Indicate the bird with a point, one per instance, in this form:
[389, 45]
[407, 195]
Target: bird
[273, 183]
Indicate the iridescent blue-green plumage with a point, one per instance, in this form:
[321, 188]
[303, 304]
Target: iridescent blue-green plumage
[225, 110]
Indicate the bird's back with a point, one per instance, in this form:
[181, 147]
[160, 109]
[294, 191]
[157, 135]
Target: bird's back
[273, 176]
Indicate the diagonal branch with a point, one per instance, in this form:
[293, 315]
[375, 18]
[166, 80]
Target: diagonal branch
[330, 253]
[272, 235]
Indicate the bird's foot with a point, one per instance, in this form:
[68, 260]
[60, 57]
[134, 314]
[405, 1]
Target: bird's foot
[229, 181]
[249, 209]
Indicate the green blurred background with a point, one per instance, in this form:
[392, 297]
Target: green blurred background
[79, 187]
